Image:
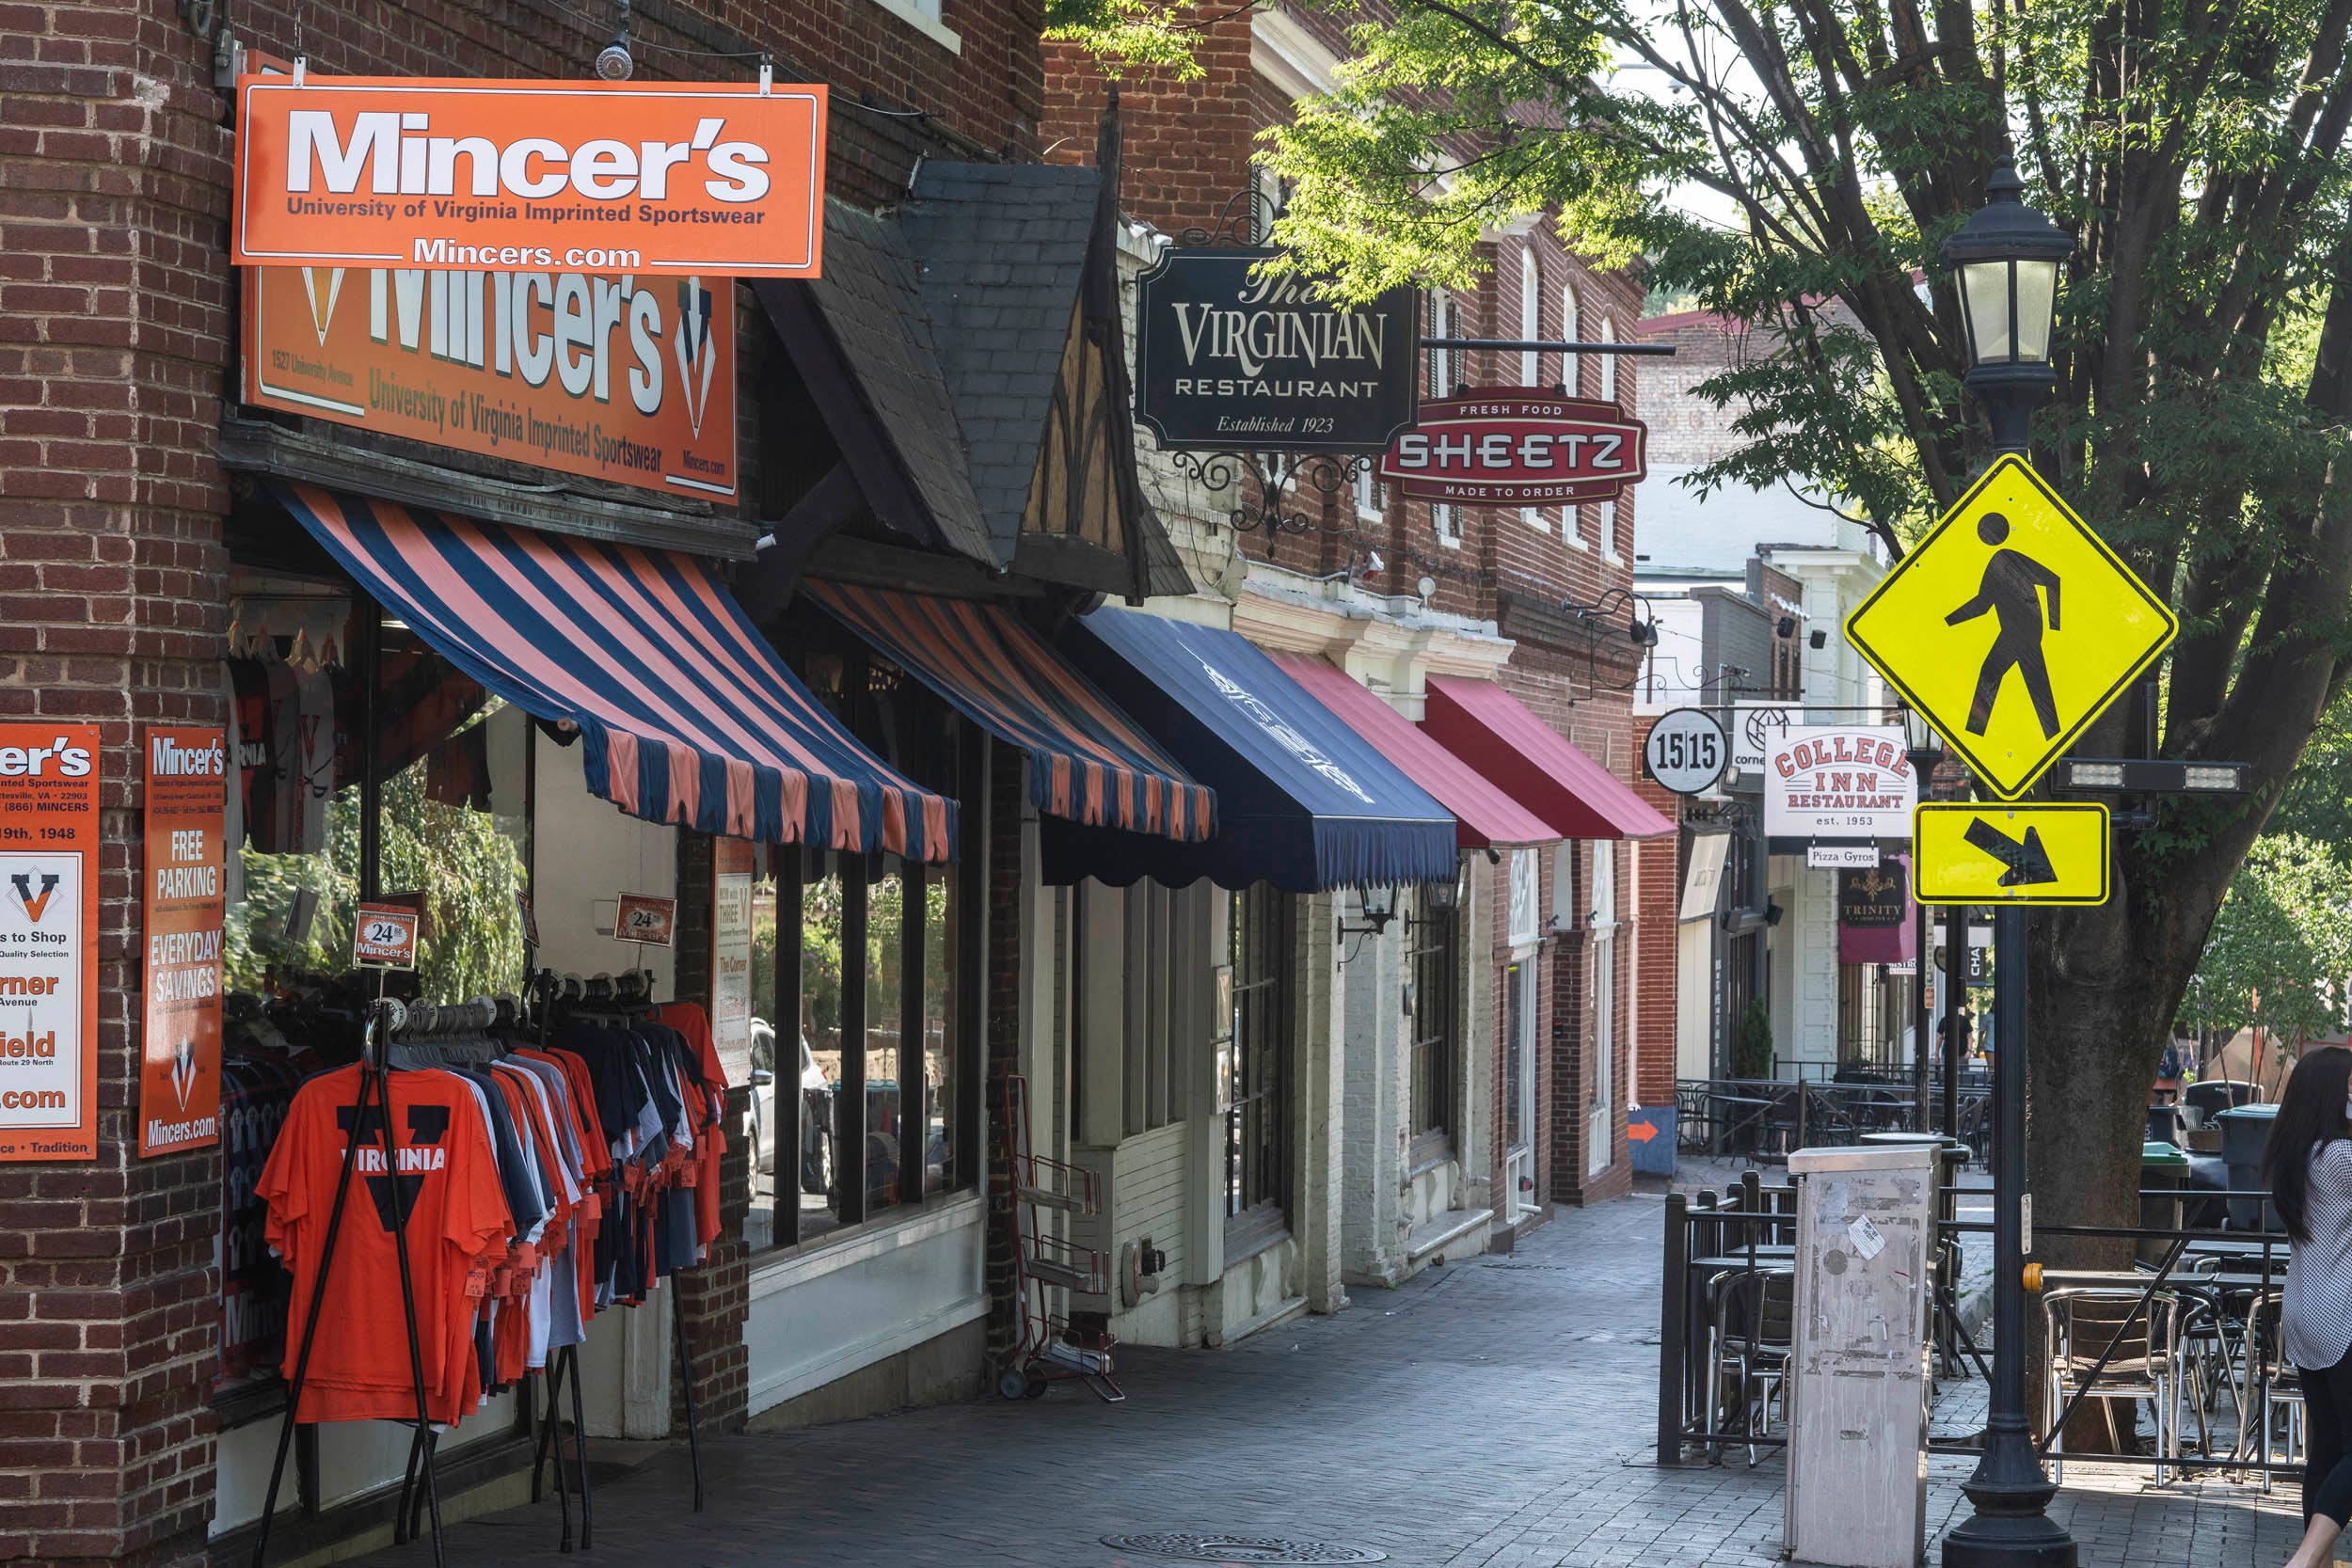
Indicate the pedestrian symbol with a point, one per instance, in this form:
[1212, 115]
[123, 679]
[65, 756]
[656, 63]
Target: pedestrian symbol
[2011, 626]
[1988, 853]
[2014, 584]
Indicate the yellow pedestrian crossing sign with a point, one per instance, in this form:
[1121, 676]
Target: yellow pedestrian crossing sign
[2011, 626]
[1985, 852]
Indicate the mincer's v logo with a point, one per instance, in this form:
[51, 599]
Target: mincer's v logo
[696, 358]
[34, 906]
[184, 1072]
[325, 286]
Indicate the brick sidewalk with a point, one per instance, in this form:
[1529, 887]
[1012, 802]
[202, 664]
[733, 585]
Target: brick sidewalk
[1495, 1414]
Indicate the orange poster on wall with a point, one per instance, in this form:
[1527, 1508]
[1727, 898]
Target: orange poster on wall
[629, 380]
[467, 175]
[185, 900]
[48, 942]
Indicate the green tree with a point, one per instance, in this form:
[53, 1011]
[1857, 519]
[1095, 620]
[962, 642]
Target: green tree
[2205, 342]
[2280, 950]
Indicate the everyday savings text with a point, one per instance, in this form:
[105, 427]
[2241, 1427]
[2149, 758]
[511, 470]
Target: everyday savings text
[665, 178]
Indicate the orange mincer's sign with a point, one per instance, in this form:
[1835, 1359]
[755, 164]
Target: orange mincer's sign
[668, 178]
[625, 379]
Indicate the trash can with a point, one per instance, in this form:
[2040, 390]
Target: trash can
[2245, 1128]
[2163, 1169]
[2164, 1124]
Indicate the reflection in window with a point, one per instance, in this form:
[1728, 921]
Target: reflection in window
[820, 1195]
[939, 1011]
[456, 820]
[886, 1082]
[294, 818]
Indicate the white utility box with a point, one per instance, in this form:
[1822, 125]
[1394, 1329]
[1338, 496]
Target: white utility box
[1858, 1378]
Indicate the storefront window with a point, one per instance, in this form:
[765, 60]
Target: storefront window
[1432, 958]
[877, 1092]
[939, 1010]
[455, 819]
[1257, 1168]
[889, 1084]
[818, 1196]
[327, 695]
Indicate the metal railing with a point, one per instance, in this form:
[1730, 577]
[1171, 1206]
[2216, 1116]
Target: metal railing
[1752, 1227]
[1763, 1118]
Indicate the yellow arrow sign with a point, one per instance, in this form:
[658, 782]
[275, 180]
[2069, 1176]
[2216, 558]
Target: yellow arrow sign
[1996, 854]
[2011, 626]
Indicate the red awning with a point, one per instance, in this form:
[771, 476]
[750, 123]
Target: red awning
[1483, 816]
[1499, 738]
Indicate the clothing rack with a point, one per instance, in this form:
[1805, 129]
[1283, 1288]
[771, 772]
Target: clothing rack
[619, 1000]
[384, 1017]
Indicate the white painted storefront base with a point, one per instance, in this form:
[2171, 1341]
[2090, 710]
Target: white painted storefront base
[835, 1308]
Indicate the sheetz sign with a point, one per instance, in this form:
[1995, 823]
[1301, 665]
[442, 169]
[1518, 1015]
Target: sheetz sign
[1518, 446]
[625, 379]
[610, 177]
[1228, 358]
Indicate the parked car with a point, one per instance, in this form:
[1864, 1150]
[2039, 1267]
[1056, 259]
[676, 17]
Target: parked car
[816, 1160]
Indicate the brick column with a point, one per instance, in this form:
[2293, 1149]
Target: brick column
[714, 1296]
[1656, 914]
[1005, 795]
[113, 335]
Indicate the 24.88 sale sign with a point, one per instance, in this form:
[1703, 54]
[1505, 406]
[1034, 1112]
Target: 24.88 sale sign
[672, 178]
[48, 942]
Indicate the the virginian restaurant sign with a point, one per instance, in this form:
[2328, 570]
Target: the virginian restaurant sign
[1229, 359]
[677, 177]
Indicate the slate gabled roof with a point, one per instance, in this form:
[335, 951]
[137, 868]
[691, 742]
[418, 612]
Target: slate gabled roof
[1001, 249]
[874, 309]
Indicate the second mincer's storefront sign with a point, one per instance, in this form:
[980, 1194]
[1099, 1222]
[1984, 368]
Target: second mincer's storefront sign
[1229, 358]
[626, 379]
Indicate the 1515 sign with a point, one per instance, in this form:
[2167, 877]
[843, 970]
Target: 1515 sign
[1229, 359]
[1518, 446]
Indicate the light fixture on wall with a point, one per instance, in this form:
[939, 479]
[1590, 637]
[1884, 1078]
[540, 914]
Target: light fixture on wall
[613, 62]
[1378, 906]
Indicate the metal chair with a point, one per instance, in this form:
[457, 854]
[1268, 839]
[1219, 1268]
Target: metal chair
[2271, 1382]
[1750, 1341]
[2082, 1322]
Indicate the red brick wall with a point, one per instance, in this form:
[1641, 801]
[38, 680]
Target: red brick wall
[1657, 902]
[112, 315]
[115, 322]
[1184, 149]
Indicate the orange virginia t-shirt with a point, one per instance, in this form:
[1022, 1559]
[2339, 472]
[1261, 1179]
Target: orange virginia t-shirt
[455, 1214]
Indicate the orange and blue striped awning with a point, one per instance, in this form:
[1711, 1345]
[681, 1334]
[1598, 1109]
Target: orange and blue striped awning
[1088, 762]
[685, 713]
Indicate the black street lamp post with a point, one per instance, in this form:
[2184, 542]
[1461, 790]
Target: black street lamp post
[1926, 751]
[2008, 256]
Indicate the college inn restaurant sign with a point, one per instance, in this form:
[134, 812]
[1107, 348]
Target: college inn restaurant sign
[1229, 359]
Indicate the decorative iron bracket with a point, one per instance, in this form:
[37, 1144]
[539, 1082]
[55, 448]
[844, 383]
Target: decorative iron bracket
[1263, 489]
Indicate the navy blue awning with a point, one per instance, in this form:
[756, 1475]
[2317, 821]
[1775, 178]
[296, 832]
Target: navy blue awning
[1302, 801]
